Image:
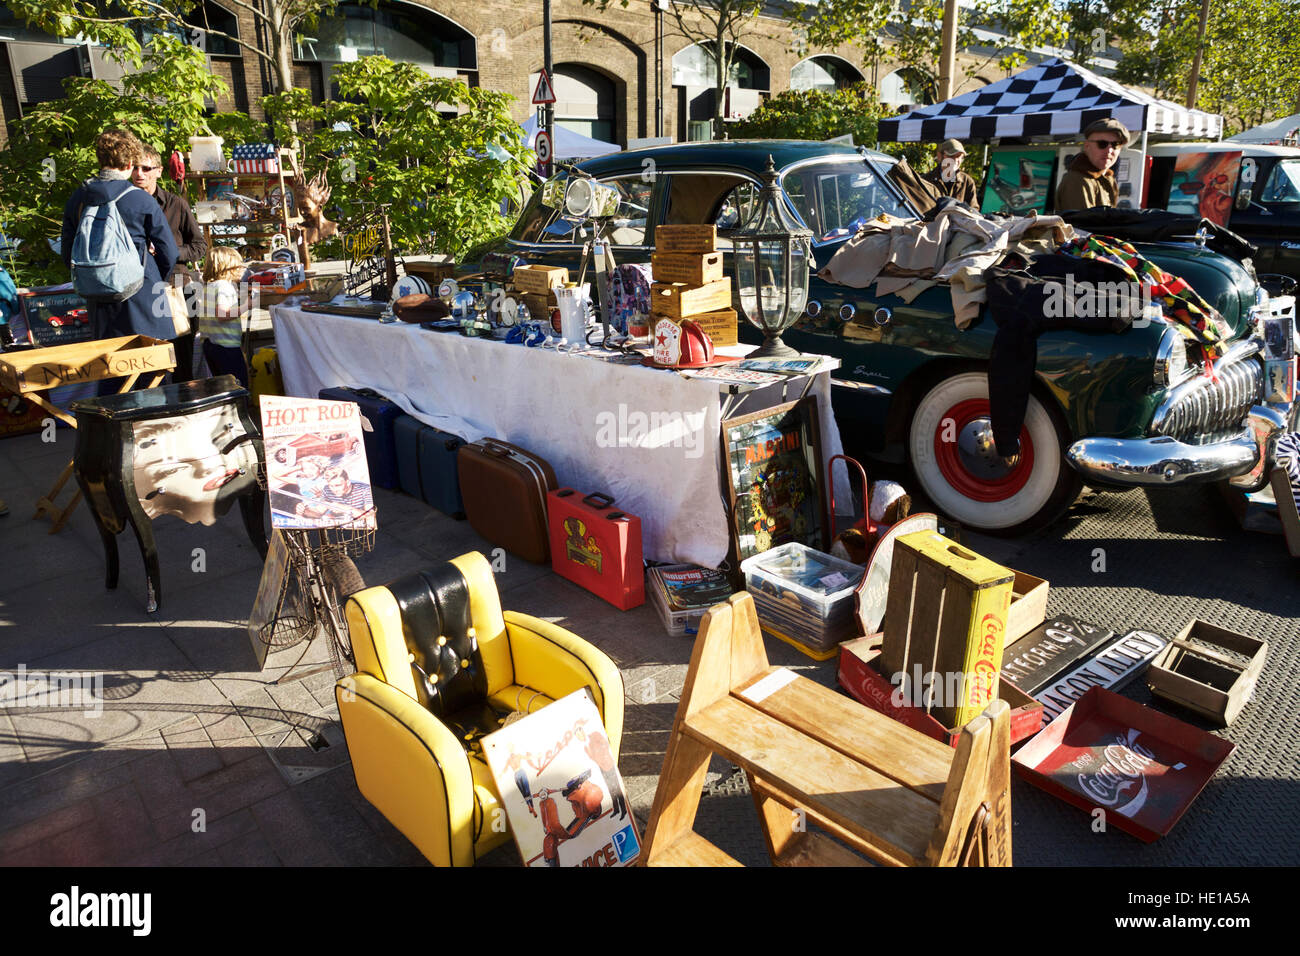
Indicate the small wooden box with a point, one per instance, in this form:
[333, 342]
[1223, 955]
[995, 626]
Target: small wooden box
[679, 301]
[538, 280]
[1206, 680]
[1028, 606]
[686, 238]
[693, 269]
[720, 325]
[41, 369]
[947, 614]
[432, 272]
[539, 306]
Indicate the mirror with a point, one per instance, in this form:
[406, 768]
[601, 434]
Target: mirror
[1243, 199]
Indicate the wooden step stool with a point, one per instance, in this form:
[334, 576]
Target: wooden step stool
[810, 754]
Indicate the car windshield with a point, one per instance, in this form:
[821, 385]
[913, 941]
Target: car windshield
[835, 198]
[1284, 183]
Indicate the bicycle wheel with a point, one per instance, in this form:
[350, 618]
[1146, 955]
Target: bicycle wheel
[340, 579]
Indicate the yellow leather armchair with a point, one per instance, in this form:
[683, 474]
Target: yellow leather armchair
[439, 665]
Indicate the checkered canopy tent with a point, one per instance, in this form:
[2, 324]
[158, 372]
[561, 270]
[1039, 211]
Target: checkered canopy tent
[1054, 98]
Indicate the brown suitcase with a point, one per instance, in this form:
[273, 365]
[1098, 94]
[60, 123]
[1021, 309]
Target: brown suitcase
[504, 489]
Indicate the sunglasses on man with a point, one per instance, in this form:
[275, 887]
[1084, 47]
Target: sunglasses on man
[1107, 143]
[147, 169]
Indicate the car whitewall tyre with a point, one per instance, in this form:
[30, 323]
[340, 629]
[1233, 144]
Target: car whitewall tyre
[950, 449]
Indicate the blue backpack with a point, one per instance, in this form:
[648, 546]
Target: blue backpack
[105, 264]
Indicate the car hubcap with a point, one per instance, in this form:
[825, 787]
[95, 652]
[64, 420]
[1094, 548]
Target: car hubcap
[968, 459]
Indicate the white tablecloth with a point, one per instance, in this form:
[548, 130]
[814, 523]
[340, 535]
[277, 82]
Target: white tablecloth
[649, 438]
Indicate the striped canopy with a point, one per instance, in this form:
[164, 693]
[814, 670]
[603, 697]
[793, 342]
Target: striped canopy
[1054, 98]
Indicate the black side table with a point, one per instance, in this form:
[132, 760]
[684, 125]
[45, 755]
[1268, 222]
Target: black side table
[187, 450]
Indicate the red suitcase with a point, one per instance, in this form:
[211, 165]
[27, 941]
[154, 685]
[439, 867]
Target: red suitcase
[597, 547]
[504, 489]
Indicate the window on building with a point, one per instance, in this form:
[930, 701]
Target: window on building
[823, 73]
[399, 31]
[695, 66]
[904, 88]
[586, 102]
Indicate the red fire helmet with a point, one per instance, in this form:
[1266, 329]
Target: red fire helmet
[696, 349]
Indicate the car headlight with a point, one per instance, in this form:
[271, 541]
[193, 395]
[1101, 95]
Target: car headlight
[1171, 359]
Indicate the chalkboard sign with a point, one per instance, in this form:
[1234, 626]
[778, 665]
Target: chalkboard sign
[774, 478]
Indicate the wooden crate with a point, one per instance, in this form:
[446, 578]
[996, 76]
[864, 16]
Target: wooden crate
[856, 675]
[538, 280]
[693, 269]
[1206, 680]
[679, 301]
[41, 369]
[432, 272]
[721, 326]
[686, 238]
[1288, 509]
[946, 613]
[539, 306]
[1028, 605]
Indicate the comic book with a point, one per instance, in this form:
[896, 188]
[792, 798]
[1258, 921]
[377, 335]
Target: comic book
[683, 587]
[316, 471]
[559, 785]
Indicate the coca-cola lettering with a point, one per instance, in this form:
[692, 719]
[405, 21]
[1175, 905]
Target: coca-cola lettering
[1122, 770]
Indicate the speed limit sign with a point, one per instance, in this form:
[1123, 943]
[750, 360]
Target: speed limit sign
[543, 147]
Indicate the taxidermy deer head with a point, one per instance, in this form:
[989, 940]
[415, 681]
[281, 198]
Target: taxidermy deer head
[311, 196]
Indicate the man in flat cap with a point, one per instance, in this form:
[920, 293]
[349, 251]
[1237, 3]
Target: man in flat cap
[947, 177]
[1090, 181]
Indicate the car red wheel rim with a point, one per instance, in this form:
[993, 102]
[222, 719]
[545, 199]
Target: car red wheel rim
[966, 458]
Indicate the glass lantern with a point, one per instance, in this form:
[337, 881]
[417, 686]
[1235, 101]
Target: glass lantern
[772, 254]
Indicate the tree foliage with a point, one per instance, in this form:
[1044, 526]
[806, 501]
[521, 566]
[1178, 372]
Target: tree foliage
[51, 150]
[385, 141]
[815, 115]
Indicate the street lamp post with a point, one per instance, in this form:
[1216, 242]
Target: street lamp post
[548, 110]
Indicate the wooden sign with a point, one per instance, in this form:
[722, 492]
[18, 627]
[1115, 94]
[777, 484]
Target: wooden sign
[774, 478]
[41, 369]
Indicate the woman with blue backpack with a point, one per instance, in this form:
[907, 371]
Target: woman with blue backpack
[118, 244]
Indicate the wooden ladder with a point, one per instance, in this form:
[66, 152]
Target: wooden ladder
[812, 755]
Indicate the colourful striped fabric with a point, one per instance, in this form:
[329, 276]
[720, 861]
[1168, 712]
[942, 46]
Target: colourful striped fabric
[1195, 318]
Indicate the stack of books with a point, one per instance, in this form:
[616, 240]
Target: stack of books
[683, 592]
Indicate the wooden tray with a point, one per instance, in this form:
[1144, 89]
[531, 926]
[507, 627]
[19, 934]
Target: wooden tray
[1151, 765]
[36, 370]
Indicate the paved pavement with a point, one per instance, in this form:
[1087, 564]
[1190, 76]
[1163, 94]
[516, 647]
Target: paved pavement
[199, 758]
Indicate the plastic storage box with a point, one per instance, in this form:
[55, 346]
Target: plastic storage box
[803, 596]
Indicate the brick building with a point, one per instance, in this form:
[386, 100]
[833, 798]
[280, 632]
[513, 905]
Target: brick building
[605, 64]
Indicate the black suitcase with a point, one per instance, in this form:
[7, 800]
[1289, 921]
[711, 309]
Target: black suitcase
[381, 414]
[426, 465]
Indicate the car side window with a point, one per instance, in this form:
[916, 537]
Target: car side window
[629, 223]
[1283, 183]
[720, 199]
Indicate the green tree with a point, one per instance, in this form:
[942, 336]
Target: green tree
[815, 115]
[115, 24]
[52, 150]
[718, 26]
[386, 140]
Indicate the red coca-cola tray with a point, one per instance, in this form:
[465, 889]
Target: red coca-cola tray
[1142, 767]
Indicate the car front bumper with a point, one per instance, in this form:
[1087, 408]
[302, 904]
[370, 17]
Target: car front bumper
[1162, 460]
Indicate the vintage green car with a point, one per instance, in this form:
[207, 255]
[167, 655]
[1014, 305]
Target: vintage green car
[1110, 409]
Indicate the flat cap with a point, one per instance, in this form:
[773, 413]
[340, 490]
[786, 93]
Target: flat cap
[951, 147]
[1108, 125]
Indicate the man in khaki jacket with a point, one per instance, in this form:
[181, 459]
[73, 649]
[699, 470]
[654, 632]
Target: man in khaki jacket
[1090, 181]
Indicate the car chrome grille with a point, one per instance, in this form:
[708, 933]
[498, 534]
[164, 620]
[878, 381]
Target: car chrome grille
[1202, 410]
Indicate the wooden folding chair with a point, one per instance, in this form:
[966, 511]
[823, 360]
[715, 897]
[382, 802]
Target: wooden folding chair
[812, 755]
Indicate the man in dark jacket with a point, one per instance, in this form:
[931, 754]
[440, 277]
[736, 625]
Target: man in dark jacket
[1090, 180]
[947, 176]
[142, 313]
[190, 243]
